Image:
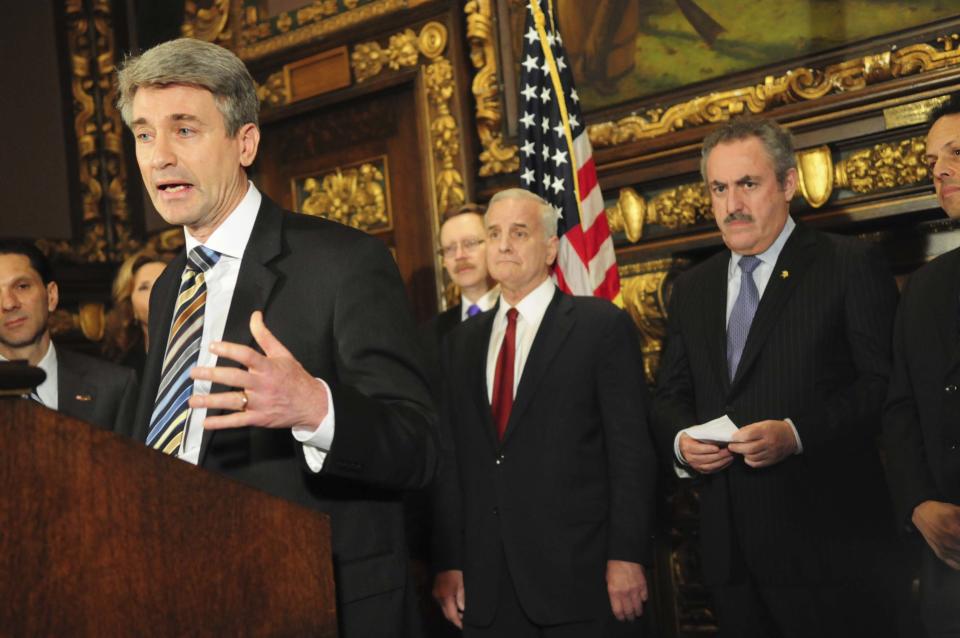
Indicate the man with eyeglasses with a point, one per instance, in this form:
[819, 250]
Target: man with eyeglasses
[461, 246]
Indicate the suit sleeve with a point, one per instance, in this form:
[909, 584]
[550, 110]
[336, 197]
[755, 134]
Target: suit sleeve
[907, 467]
[447, 496]
[674, 399]
[127, 407]
[386, 424]
[850, 415]
[631, 462]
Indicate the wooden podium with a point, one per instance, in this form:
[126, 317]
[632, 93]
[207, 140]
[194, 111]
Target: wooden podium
[100, 536]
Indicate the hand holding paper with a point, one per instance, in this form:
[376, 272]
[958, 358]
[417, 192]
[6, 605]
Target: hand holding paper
[703, 446]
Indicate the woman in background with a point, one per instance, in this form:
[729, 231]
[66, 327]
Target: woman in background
[125, 340]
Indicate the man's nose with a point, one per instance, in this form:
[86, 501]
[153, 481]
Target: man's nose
[163, 155]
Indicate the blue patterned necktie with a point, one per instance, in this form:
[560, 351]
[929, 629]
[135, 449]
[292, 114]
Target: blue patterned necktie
[473, 310]
[742, 314]
[170, 411]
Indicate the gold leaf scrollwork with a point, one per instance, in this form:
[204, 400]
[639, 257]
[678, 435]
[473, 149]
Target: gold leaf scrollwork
[815, 175]
[275, 91]
[208, 24]
[368, 59]
[681, 207]
[352, 196]
[643, 287]
[404, 50]
[795, 85]
[98, 128]
[883, 166]
[496, 156]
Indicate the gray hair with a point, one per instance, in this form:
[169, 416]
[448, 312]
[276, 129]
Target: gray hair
[194, 63]
[776, 140]
[548, 214]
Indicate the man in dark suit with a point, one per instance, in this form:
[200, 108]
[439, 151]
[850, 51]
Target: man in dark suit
[921, 432]
[787, 332]
[329, 406]
[82, 387]
[544, 498]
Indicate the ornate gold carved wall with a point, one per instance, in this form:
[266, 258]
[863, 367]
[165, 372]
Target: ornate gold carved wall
[98, 128]
[496, 156]
[796, 85]
[404, 49]
[357, 195]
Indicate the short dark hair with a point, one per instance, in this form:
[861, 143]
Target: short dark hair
[950, 106]
[38, 261]
[463, 209]
[776, 141]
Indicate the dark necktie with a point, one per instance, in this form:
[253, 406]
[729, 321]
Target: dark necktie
[171, 412]
[502, 401]
[34, 395]
[742, 314]
[473, 310]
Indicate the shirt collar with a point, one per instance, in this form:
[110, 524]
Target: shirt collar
[485, 302]
[231, 237]
[771, 254]
[533, 306]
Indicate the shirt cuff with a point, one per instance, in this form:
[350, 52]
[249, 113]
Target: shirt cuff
[318, 440]
[680, 464]
[796, 435]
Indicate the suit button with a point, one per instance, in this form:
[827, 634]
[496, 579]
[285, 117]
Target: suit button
[954, 447]
[499, 459]
[950, 388]
[496, 511]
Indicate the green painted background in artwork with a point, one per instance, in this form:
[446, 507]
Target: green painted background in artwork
[669, 53]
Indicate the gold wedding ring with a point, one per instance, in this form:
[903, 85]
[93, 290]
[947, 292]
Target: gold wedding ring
[243, 397]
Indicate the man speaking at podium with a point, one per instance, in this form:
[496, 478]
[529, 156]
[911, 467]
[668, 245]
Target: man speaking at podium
[284, 353]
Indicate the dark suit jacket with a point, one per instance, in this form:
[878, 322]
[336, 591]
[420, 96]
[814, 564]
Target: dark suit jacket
[570, 486]
[332, 295]
[818, 353]
[96, 391]
[921, 418]
[432, 334]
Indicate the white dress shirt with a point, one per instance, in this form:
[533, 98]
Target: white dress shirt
[48, 390]
[761, 277]
[230, 240]
[487, 301]
[530, 313]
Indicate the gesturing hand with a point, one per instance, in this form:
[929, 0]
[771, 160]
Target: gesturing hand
[274, 391]
[764, 443]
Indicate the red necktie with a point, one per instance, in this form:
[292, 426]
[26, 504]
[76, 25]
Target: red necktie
[503, 377]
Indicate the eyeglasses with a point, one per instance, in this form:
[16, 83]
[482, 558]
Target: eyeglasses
[468, 245]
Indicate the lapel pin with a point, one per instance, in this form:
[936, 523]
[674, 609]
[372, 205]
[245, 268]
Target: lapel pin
[784, 274]
[83, 397]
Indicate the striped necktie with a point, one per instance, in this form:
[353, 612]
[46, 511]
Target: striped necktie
[170, 411]
[741, 316]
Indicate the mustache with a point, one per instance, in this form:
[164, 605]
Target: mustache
[738, 217]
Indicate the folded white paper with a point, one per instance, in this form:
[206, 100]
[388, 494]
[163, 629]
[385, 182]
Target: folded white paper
[717, 431]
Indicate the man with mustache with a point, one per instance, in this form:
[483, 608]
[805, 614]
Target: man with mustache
[83, 387]
[921, 433]
[787, 332]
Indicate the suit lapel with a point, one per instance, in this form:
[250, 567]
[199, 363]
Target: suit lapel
[945, 310]
[715, 316]
[796, 256]
[477, 371]
[255, 282]
[70, 386]
[554, 328]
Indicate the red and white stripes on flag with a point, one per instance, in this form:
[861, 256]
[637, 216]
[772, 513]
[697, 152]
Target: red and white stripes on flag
[555, 143]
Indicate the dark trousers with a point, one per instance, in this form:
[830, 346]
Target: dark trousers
[748, 610]
[939, 597]
[512, 622]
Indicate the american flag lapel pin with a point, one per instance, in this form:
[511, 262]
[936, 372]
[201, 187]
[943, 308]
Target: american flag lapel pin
[83, 397]
[784, 274]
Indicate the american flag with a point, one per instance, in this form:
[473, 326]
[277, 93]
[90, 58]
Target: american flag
[555, 143]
